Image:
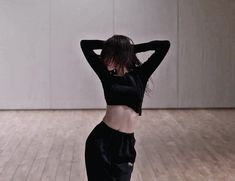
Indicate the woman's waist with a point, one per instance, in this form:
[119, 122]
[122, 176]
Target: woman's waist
[121, 117]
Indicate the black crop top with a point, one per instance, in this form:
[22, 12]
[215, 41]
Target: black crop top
[127, 89]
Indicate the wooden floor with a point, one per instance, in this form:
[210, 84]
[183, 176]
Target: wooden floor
[171, 145]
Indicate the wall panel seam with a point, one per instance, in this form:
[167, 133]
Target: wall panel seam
[50, 70]
[177, 71]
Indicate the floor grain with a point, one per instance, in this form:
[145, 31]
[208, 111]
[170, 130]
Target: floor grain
[171, 145]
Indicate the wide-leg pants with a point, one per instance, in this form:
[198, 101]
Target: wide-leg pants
[109, 154]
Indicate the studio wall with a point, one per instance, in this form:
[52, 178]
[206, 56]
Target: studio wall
[42, 65]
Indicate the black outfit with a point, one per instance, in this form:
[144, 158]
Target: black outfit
[110, 154]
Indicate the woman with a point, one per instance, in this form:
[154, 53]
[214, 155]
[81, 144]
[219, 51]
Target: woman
[110, 147]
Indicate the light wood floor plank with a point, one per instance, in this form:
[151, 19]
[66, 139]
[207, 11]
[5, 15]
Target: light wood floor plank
[171, 144]
[11, 165]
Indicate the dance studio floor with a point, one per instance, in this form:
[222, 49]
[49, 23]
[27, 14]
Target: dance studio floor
[171, 145]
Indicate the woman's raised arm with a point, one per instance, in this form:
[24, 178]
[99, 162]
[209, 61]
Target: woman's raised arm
[88, 47]
[161, 48]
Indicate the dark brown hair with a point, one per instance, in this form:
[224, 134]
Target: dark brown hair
[119, 50]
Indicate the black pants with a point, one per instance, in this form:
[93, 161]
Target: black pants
[109, 154]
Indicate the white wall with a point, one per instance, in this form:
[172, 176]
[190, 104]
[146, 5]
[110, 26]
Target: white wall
[24, 54]
[206, 53]
[42, 65]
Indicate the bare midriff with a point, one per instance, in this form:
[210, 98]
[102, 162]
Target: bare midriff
[121, 118]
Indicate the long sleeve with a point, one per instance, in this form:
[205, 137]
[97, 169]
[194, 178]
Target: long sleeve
[161, 48]
[93, 59]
